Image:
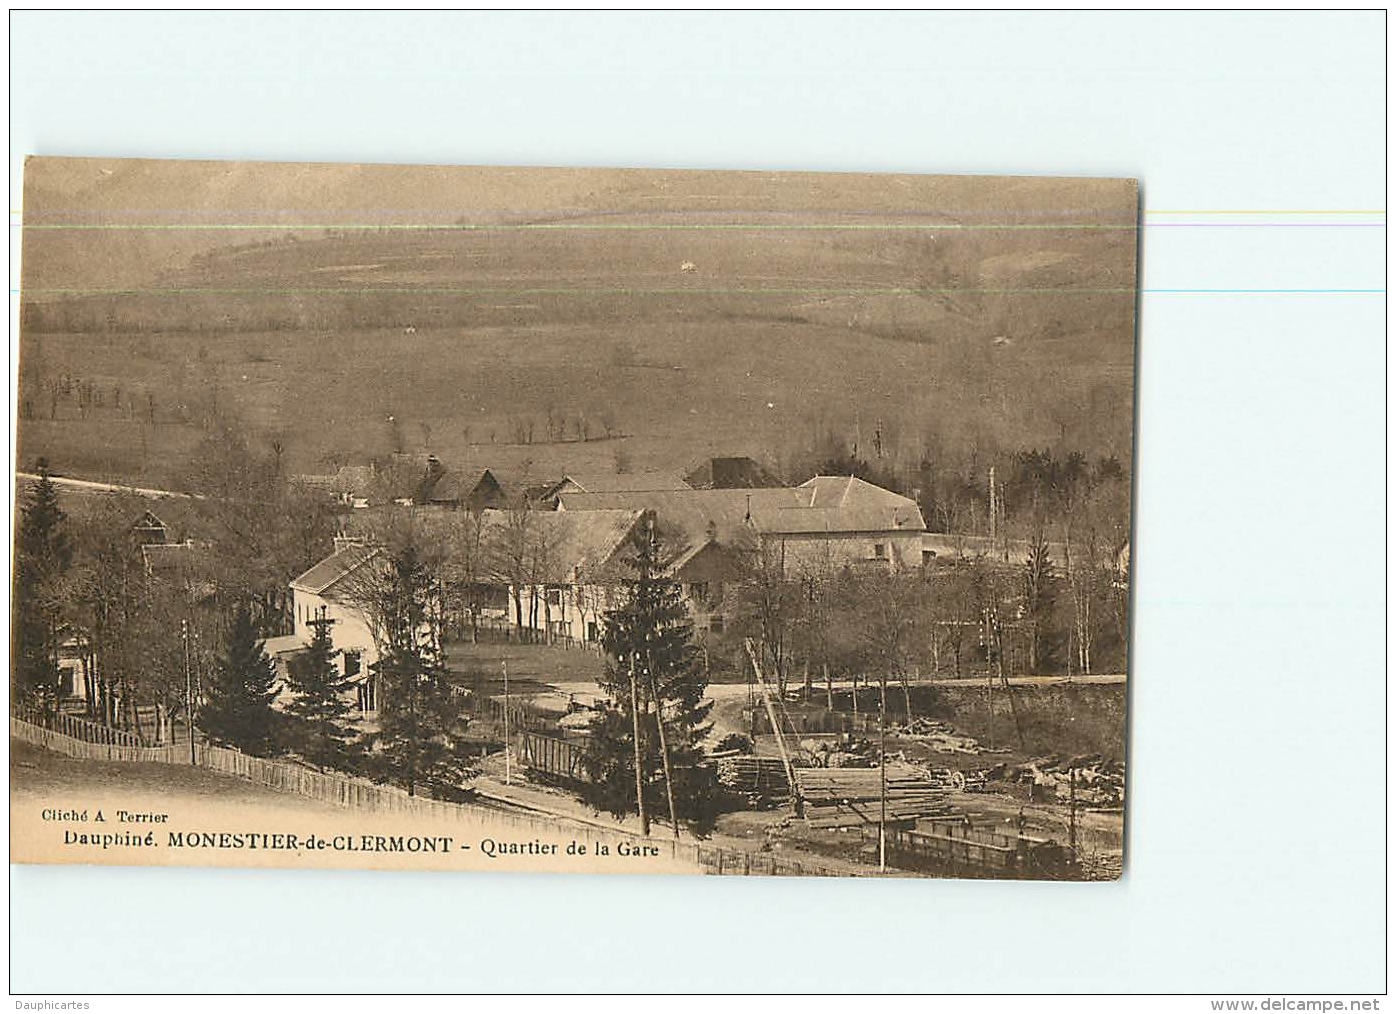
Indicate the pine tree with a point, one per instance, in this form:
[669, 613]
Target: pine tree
[650, 630]
[43, 552]
[422, 722]
[1039, 600]
[319, 715]
[237, 711]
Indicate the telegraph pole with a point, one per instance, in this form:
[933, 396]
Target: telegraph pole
[882, 781]
[504, 667]
[188, 690]
[654, 694]
[1071, 775]
[639, 771]
[989, 673]
[663, 744]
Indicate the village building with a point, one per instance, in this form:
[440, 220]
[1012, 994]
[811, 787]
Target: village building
[834, 520]
[731, 473]
[149, 530]
[327, 590]
[570, 570]
[543, 575]
[606, 482]
[709, 536]
[548, 576]
[350, 485]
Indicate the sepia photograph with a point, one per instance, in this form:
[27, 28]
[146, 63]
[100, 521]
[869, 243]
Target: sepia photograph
[573, 520]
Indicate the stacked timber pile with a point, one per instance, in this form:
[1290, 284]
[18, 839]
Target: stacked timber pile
[960, 781]
[1100, 781]
[942, 737]
[851, 797]
[761, 779]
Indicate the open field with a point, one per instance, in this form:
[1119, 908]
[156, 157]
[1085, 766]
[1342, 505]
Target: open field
[762, 388]
[661, 318]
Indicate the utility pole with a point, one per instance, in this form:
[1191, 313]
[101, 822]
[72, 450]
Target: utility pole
[188, 690]
[882, 781]
[993, 505]
[504, 667]
[797, 802]
[1071, 781]
[639, 770]
[663, 742]
[989, 673]
[658, 704]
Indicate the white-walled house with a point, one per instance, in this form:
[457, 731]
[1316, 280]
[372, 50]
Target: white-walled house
[324, 590]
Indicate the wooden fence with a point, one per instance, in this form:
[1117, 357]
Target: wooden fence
[730, 862]
[521, 719]
[556, 759]
[357, 793]
[83, 740]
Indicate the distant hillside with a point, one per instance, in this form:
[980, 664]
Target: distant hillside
[680, 316]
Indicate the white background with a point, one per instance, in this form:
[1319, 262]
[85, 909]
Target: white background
[1256, 857]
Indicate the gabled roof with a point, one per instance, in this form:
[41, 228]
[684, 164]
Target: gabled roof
[621, 482]
[858, 505]
[149, 520]
[333, 569]
[555, 548]
[824, 504]
[150, 529]
[286, 644]
[458, 487]
[730, 473]
[581, 547]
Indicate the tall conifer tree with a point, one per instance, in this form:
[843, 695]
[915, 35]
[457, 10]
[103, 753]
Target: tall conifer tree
[43, 552]
[319, 715]
[651, 630]
[237, 711]
[422, 722]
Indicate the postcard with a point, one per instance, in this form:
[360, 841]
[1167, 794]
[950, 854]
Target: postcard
[572, 520]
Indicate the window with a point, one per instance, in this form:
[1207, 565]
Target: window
[880, 550]
[698, 591]
[592, 632]
[715, 623]
[554, 596]
[353, 663]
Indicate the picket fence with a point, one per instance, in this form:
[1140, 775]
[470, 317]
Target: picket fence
[83, 740]
[357, 793]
